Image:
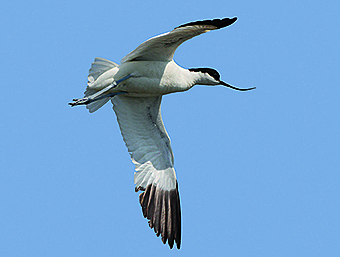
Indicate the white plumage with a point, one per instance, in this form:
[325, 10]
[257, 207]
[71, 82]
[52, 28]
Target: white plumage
[135, 89]
[143, 131]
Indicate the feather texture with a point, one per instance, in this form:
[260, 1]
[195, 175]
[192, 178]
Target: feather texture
[163, 47]
[148, 143]
[135, 89]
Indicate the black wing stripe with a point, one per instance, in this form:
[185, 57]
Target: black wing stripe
[164, 218]
[218, 23]
[151, 204]
[162, 209]
[155, 222]
[175, 214]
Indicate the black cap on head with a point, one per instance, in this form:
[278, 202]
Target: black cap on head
[213, 73]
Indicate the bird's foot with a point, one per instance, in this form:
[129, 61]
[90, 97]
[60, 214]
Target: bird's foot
[100, 94]
[81, 101]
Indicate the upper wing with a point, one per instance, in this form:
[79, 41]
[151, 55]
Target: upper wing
[163, 47]
[144, 134]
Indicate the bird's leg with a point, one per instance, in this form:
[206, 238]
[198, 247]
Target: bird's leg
[88, 100]
[100, 94]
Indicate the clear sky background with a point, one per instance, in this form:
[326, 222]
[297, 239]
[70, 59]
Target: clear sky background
[258, 171]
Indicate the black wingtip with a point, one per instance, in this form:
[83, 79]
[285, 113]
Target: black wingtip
[162, 209]
[217, 23]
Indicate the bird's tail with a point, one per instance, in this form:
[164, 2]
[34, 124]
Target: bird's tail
[100, 76]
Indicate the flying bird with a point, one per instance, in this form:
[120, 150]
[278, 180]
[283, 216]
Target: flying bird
[135, 88]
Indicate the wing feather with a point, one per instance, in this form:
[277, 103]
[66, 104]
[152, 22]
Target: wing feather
[149, 145]
[163, 47]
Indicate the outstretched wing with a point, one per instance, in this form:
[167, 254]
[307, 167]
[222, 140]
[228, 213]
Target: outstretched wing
[148, 143]
[163, 47]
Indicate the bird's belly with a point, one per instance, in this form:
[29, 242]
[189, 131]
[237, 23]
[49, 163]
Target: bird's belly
[143, 87]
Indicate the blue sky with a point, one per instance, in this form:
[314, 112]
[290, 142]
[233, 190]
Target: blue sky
[258, 171]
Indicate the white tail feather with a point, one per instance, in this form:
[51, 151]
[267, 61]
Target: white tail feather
[101, 73]
[97, 82]
[98, 67]
[94, 106]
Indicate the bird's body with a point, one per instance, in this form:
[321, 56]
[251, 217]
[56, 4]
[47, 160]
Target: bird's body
[152, 78]
[135, 89]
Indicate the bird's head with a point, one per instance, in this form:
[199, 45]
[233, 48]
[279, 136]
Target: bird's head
[208, 76]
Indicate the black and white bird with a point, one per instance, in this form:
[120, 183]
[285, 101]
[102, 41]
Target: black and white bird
[135, 89]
